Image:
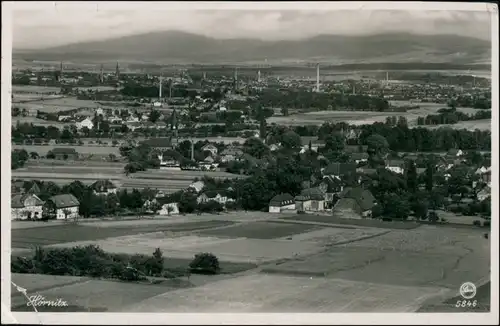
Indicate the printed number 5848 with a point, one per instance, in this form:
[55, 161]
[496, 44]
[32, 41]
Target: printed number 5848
[466, 303]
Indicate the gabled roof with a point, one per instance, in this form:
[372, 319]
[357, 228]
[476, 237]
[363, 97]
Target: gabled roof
[363, 197]
[359, 156]
[63, 201]
[34, 190]
[102, 185]
[17, 201]
[337, 168]
[281, 199]
[395, 163]
[313, 193]
[346, 204]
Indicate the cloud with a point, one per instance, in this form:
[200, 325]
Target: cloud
[50, 26]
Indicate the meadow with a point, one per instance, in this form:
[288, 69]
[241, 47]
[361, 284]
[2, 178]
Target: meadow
[35, 89]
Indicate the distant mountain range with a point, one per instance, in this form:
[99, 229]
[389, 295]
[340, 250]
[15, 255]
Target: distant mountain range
[181, 47]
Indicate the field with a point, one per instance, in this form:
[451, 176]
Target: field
[31, 237]
[52, 105]
[88, 172]
[484, 124]
[300, 268]
[39, 122]
[43, 149]
[373, 223]
[34, 89]
[369, 117]
[260, 230]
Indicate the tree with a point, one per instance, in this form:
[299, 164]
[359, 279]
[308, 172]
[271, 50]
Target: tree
[67, 213]
[34, 155]
[284, 111]
[154, 116]
[377, 145]
[255, 147]
[429, 176]
[411, 176]
[334, 143]
[291, 140]
[205, 263]
[420, 209]
[396, 207]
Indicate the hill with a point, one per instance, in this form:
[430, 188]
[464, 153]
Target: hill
[181, 47]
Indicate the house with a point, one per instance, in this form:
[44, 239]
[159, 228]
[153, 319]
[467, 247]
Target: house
[314, 141]
[61, 207]
[354, 203]
[197, 186]
[64, 153]
[168, 208]
[484, 193]
[316, 197]
[396, 166]
[281, 202]
[87, 122]
[339, 169]
[231, 154]
[302, 203]
[32, 112]
[274, 147]
[103, 187]
[218, 196]
[26, 207]
[99, 111]
[331, 186]
[210, 148]
[455, 153]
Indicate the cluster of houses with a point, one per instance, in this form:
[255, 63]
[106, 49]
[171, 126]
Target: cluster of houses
[28, 206]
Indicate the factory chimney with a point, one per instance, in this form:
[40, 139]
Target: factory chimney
[258, 76]
[317, 78]
[101, 76]
[387, 78]
[161, 82]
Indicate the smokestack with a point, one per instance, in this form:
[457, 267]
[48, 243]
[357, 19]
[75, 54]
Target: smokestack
[192, 150]
[101, 77]
[353, 89]
[204, 75]
[258, 76]
[387, 78]
[317, 78]
[170, 89]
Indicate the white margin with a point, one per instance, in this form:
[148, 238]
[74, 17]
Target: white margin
[231, 318]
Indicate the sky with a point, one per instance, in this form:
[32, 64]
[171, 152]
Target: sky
[50, 25]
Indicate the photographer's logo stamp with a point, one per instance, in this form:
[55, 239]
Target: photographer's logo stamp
[468, 290]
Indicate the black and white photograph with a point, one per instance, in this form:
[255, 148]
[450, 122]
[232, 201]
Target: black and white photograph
[245, 157]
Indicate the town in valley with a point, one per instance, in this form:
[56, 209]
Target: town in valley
[235, 179]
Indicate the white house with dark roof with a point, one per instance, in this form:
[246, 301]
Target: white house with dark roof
[27, 206]
[61, 207]
[281, 202]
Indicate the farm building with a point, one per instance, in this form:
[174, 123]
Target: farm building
[25, 207]
[218, 196]
[87, 122]
[281, 202]
[317, 198]
[314, 141]
[231, 154]
[168, 207]
[61, 207]
[103, 187]
[354, 203]
[64, 153]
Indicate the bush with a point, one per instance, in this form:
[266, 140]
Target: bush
[487, 224]
[433, 217]
[89, 261]
[476, 223]
[205, 263]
